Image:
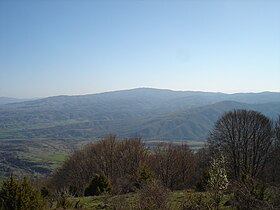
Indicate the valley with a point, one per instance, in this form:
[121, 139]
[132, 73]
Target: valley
[36, 136]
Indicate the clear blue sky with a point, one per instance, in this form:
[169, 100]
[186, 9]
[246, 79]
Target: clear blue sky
[86, 46]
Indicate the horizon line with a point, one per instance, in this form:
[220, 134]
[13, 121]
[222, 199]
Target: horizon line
[135, 88]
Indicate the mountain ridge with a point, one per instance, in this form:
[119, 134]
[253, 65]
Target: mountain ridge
[147, 112]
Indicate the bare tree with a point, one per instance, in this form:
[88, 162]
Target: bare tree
[102, 154]
[118, 159]
[202, 164]
[277, 129]
[173, 165]
[130, 156]
[272, 169]
[244, 137]
[153, 196]
[162, 162]
[184, 167]
[73, 175]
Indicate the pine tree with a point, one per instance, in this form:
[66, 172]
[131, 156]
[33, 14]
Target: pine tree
[98, 185]
[19, 195]
[9, 193]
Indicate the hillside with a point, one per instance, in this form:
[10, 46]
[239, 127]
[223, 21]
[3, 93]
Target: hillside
[151, 113]
[36, 136]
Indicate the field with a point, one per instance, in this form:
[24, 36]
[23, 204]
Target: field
[35, 157]
[39, 157]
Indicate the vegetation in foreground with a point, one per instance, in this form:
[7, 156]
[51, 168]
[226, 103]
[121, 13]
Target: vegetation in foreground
[183, 199]
[238, 170]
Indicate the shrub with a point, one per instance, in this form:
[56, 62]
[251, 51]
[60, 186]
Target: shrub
[217, 182]
[153, 196]
[250, 194]
[98, 185]
[64, 199]
[201, 185]
[144, 175]
[45, 192]
[197, 201]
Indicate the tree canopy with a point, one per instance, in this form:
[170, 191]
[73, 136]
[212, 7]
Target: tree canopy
[244, 137]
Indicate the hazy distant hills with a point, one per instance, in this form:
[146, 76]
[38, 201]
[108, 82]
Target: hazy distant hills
[8, 100]
[150, 113]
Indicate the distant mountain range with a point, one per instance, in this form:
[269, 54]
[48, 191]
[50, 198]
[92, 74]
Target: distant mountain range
[150, 113]
[8, 100]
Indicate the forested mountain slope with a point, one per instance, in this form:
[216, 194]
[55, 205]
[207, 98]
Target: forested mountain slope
[146, 112]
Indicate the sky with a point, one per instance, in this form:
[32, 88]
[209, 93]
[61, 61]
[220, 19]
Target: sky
[70, 47]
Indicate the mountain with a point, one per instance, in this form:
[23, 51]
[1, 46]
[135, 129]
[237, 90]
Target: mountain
[7, 100]
[195, 123]
[151, 113]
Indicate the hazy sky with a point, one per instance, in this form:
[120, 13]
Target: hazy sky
[53, 47]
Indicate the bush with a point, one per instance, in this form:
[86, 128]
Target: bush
[98, 185]
[19, 195]
[45, 192]
[201, 185]
[250, 194]
[217, 182]
[197, 201]
[274, 197]
[144, 175]
[153, 196]
[64, 200]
